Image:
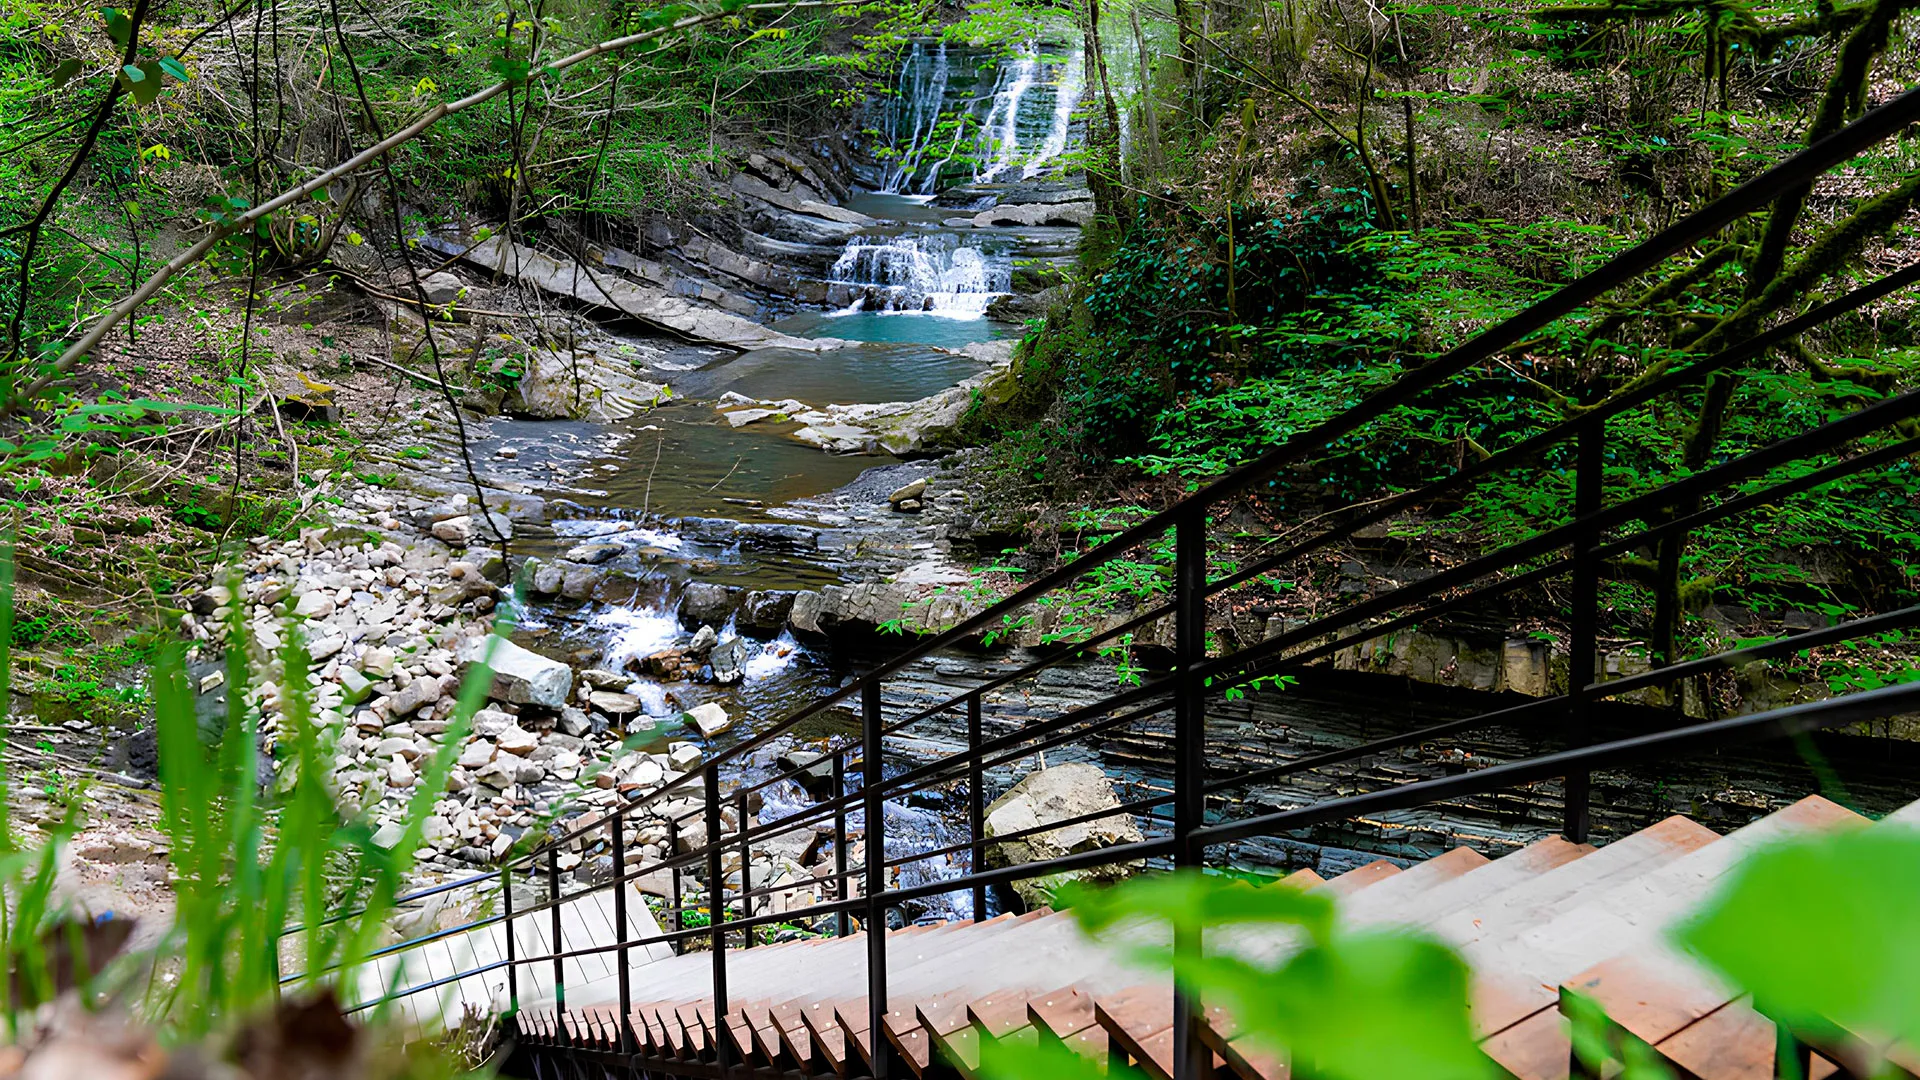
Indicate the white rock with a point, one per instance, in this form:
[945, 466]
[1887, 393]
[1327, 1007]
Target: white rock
[377, 662]
[518, 741]
[709, 719]
[683, 755]
[477, 753]
[521, 676]
[400, 773]
[315, 605]
[491, 722]
[454, 530]
[389, 834]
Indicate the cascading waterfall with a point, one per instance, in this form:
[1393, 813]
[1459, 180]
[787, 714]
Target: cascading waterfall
[937, 274]
[915, 113]
[1066, 96]
[1001, 133]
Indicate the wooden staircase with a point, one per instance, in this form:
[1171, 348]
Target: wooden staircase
[1553, 915]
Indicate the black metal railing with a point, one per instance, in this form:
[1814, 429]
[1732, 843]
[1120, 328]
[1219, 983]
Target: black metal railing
[1595, 531]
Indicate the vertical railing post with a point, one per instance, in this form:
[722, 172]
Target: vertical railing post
[976, 804]
[553, 897]
[513, 969]
[673, 856]
[717, 918]
[1583, 648]
[1191, 1058]
[876, 854]
[746, 869]
[622, 930]
[843, 918]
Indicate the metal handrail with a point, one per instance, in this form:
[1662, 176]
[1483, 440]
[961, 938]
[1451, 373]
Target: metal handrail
[1663, 512]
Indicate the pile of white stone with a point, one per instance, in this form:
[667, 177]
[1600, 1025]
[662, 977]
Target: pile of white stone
[390, 630]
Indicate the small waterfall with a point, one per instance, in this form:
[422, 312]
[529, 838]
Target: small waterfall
[914, 114]
[935, 274]
[1001, 132]
[1066, 96]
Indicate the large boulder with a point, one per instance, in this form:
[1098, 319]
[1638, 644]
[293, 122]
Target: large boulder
[1060, 793]
[702, 603]
[522, 676]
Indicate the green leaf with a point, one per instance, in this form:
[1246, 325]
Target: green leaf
[172, 66]
[64, 72]
[1824, 932]
[509, 69]
[1358, 1007]
[142, 81]
[119, 27]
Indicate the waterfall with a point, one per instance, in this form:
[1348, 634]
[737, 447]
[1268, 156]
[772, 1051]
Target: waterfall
[914, 113]
[1066, 95]
[1001, 132]
[936, 273]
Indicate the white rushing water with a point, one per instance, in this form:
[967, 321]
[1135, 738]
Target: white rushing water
[1001, 132]
[915, 114]
[936, 274]
[1066, 97]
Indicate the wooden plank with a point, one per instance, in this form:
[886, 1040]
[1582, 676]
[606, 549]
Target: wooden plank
[1539, 1047]
[1360, 877]
[1731, 1043]
[1132, 1018]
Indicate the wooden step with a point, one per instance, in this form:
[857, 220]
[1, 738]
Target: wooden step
[1382, 897]
[1360, 877]
[1517, 974]
[1540, 898]
[1477, 885]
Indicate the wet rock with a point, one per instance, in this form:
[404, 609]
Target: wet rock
[727, 659]
[579, 582]
[703, 602]
[1058, 794]
[703, 641]
[764, 613]
[709, 719]
[812, 771]
[521, 676]
[594, 553]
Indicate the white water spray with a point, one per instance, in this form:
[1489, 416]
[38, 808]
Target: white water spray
[936, 274]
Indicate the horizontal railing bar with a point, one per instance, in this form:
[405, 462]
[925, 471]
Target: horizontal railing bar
[1566, 429]
[1755, 727]
[436, 984]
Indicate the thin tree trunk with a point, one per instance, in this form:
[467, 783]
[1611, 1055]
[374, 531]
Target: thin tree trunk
[1149, 115]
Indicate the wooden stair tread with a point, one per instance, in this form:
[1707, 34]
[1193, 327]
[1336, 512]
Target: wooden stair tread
[1360, 877]
[1514, 973]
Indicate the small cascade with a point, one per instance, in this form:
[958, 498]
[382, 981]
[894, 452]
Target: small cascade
[937, 274]
[1000, 135]
[1066, 96]
[914, 114]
